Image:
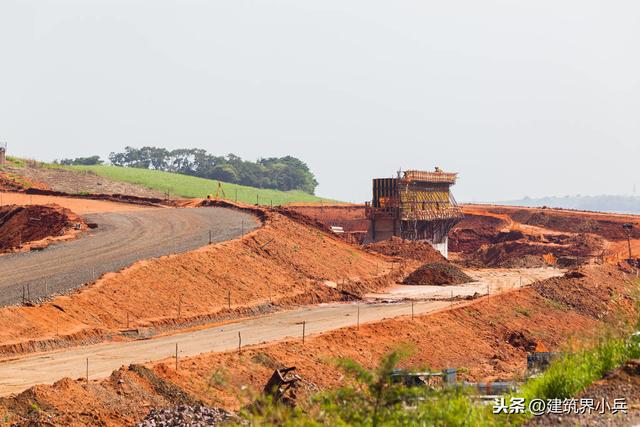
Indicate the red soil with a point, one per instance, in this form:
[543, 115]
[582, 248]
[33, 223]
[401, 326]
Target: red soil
[489, 338]
[473, 232]
[495, 236]
[409, 249]
[12, 182]
[350, 217]
[437, 275]
[21, 225]
[285, 259]
[608, 226]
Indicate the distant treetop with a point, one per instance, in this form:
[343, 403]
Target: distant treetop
[281, 173]
[85, 161]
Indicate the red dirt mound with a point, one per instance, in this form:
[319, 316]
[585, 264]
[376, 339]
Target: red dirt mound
[410, 249]
[437, 275]
[24, 224]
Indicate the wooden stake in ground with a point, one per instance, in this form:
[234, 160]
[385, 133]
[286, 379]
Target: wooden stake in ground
[304, 327]
[239, 343]
[179, 305]
[411, 310]
[210, 237]
[176, 357]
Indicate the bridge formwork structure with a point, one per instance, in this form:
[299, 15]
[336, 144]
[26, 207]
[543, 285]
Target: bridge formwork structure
[416, 205]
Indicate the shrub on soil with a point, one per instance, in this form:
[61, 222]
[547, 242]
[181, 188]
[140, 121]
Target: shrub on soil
[437, 274]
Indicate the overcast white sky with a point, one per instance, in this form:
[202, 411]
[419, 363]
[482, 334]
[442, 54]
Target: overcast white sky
[521, 97]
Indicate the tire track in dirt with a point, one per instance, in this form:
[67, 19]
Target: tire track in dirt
[121, 239]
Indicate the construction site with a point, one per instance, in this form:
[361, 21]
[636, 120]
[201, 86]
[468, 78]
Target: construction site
[128, 308]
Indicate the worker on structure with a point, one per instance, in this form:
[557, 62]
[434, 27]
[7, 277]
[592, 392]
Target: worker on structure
[438, 170]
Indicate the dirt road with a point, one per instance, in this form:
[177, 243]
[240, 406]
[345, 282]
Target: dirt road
[120, 239]
[22, 373]
[486, 281]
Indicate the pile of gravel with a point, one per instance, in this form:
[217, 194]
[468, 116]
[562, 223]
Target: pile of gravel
[184, 415]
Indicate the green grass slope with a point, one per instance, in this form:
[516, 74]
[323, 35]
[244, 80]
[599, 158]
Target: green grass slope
[190, 186]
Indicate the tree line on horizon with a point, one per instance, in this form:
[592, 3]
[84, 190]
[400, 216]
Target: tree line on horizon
[280, 173]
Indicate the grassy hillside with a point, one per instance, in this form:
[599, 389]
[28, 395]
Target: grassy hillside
[189, 186]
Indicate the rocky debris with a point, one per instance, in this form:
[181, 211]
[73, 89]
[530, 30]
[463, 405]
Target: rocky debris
[437, 274]
[184, 415]
[418, 250]
[519, 340]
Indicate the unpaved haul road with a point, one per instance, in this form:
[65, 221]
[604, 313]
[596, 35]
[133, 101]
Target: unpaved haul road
[20, 374]
[121, 239]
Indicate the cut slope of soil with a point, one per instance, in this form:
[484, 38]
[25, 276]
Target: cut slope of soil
[350, 217]
[489, 338]
[409, 249]
[16, 182]
[492, 241]
[473, 232]
[75, 182]
[608, 226]
[437, 275]
[20, 225]
[531, 252]
[284, 263]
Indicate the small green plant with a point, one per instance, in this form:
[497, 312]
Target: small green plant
[16, 162]
[373, 398]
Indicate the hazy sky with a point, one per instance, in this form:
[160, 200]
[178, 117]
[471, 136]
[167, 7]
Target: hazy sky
[521, 97]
